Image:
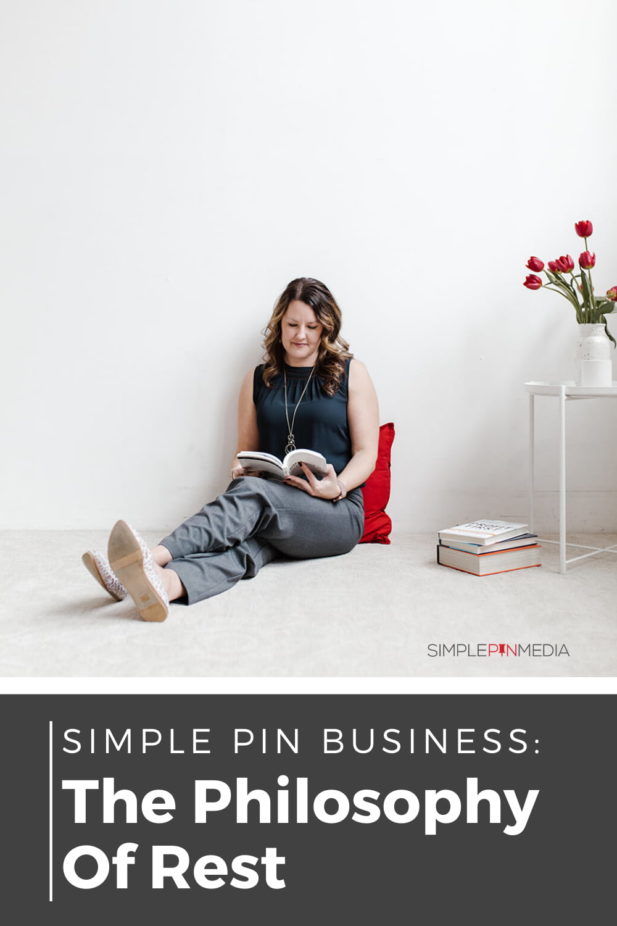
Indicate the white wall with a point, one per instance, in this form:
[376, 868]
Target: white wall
[169, 165]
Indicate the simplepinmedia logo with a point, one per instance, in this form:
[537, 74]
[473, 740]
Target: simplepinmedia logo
[499, 650]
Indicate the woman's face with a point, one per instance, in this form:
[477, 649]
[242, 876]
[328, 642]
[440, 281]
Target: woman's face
[300, 334]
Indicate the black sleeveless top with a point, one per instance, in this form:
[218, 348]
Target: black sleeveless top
[321, 420]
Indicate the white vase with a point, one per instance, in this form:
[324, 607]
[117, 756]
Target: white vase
[594, 364]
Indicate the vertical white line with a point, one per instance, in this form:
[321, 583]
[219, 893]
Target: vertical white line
[562, 479]
[51, 812]
[532, 437]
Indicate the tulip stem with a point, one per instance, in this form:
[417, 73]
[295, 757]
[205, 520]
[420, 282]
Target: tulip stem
[592, 298]
[551, 290]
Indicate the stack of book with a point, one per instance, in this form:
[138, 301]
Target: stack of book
[486, 547]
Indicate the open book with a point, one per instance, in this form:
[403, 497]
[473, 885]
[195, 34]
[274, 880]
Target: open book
[257, 462]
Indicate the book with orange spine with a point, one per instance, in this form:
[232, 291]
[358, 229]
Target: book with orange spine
[486, 564]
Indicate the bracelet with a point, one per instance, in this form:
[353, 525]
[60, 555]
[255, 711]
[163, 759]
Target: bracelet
[343, 491]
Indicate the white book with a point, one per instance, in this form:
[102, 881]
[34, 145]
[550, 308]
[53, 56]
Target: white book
[257, 462]
[482, 532]
[489, 563]
[525, 540]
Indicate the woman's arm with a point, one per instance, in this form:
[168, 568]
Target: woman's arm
[363, 417]
[248, 433]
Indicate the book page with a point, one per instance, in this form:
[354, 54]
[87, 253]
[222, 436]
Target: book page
[314, 460]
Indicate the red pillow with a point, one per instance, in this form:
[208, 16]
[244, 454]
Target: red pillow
[376, 492]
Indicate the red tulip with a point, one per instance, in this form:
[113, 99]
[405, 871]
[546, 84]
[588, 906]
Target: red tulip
[587, 260]
[535, 264]
[553, 266]
[534, 282]
[612, 293]
[583, 229]
[565, 263]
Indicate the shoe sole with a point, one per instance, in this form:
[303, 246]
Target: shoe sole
[127, 561]
[92, 566]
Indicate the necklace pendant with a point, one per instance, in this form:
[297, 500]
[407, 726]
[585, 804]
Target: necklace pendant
[291, 444]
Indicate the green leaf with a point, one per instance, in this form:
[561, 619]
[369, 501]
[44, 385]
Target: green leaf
[587, 304]
[608, 334]
[560, 283]
[602, 307]
[591, 292]
[585, 286]
[564, 289]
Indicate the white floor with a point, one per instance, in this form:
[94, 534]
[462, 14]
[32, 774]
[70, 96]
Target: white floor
[374, 612]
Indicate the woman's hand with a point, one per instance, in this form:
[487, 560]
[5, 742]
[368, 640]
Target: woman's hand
[237, 470]
[328, 487]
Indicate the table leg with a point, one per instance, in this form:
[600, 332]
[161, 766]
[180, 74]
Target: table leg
[531, 460]
[562, 479]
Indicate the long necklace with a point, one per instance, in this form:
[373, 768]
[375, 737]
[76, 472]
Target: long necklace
[291, 441]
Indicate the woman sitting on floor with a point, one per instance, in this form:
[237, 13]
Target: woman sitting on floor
[309, 393]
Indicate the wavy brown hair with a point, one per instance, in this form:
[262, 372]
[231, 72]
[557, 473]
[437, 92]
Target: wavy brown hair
[333, 349]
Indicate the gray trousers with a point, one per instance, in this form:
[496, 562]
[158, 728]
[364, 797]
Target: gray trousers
[252, 522]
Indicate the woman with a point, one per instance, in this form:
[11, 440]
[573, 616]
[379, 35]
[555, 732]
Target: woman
[309, 393]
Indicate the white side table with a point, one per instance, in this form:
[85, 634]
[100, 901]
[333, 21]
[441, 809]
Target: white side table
[565, 392]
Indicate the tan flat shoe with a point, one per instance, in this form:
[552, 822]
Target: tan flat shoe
[98, 566]
[132, 562]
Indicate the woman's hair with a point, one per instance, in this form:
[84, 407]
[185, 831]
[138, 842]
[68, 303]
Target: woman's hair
[333, 349]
